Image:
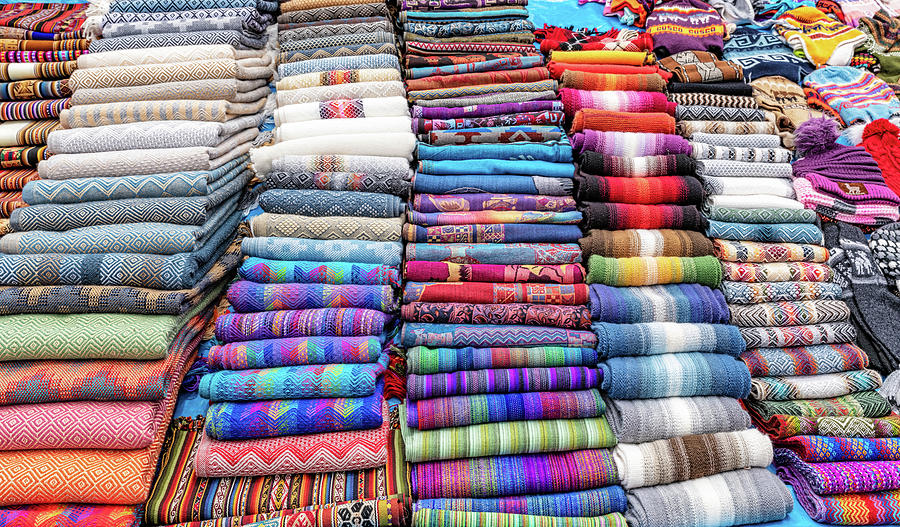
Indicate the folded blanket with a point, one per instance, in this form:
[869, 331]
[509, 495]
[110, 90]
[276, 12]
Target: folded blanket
[468, 184]
[859, 404]
[338, 322]
[785, 426]
[842, 477]
[384, 145]
[497, 232]
[449, 412]
[681, 190]
[615, 216]
[301, 351]
[239, 39]
[809, 360]
[500, 293]
[820, 386]
[739, 154]
[581, 504]
[501, 381]
[683, 303]
[329, 92]
[432, 517]
[421, 271]
[718, 113]
[782, 337]
[767, 253]
[639, 271]
[514, 475]
[162, 55]
[502, 135]
[251, 297]
[690, 128]
[701, 67]
[644, 166]
[629, 144]
[340, 181]
[777, 272]
[478, 79]
[485, 336]
[748, 186]
[347, 450]
[575, 317]
[759, 292]
[493, 167]
[762, 215]
[262, 419]
[359, 125]
[654, 338]
[690, 457]
[386, 253]
[527, 437]
[616, 101]
[92, 115]
[790, 313]
[120, 76]
[749, 140]
[482, 110]
[495, 253]
[613, 121]
[644, 242]
[641, 82]
[263, 271]
[488, 217]
[875, 507]
[822, 449]
[330, 228]
[337, 77]
[743, 496]
[728, 168]
[675, 375]
[642, 420]
[423, 361]
[558, 151]
[752, 201]
[355, 108]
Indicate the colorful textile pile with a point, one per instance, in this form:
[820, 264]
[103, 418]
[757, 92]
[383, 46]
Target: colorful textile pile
[41, 44]
[495, 315]
[661, 326]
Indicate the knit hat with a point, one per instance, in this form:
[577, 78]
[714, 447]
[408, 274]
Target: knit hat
[854, 94]
[815, 142]
[880, 139]
[684, 25]
[822, 39]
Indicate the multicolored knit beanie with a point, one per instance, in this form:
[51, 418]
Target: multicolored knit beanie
[685, 25]
[880, 138]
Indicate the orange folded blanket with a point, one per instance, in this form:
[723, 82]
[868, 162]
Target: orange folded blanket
[607, 121]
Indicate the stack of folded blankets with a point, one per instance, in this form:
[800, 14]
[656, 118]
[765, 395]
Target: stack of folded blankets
[669, 359]
[298, 379]
[40, 45]
[503, 421]
[810, 380]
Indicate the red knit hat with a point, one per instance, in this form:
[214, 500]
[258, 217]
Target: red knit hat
[880, 139]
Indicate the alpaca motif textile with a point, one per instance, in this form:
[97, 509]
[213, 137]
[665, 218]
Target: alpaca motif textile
[790, 313]
[614, 216]
[293, 382]
[294, 352]
[842, 477]
[248, 297]
[306, 322]
[449, 412]
[645, 242]
[675, 375]
[799, 271]
[486, 336]
[497, 293]
[576, 317]
[580, 504]
[233, 420]
[420, 271]
[501, 381]
[423, 361]
[823, 449]
[808, 360]
[782, 337]
[263, 271]
[654, 338]
[860, 404]
[643, 420]
[786, 426]
[766, 252]
[820, 386]
[513, 475]
[506, 254]
[641, 271]
[759, 292]
[662, 303]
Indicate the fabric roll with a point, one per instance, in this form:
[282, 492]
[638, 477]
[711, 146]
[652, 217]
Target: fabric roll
[615, 121]
[749, 186]
[583, 80]
[655, 338]
[822, 386]
[685, 303]
[690, 128]
[617, 101]
[422, 360]
[675, 375]
[438, 184]
[703, 270]
[643, 420]
[716, 113]
[645, 242]
[355, 108]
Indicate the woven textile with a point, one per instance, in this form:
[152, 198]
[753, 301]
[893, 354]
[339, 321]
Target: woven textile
[764, 252]
[448, 412]
[385, 253]
[766, 232]
[62, 515]
[582, 80]
[820, 386]
[576, 317]
[431, 203]
[615, 216]
[247, 296]
[662, 303]
[581, 504]
[339, 181]
[488, 217]
[829, 333]
[264, 271]
[454, 335]
[821, 449]
[791, 313]
[499, 293]
[441, 184]
[513, 475]
[785, 426]
[639, 271]
[491, 253]
[419, 271]
[711, 99]
[690, 457]
[645, 242]
[726, 214]
[860, 404]
[755, 293]
[329, 452]
[843, 476]
[642, 420]
[422, 360]
[309, 322]
[717, 113]
[810, 360]
[616, 101]
[680, 190]
[613, 121]
[645, 166]
[675, 375]
[777, 272]
[330, 203]
[630, 144]
[867, 508]
[445, 518]
[739, 154]
[294, 352]
[655, 338]
[492, 233]
[501, 381]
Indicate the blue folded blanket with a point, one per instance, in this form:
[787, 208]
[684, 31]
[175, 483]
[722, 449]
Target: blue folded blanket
[766, 232]
[675, 375]
[659, 303]
[495, 167]
[472, 184]
[387, 253]
[331, 203]
[654, 338]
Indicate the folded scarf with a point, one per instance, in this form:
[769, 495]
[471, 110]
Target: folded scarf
[681, 190]
[645, 166]
[874, 508]
[727, 168]
[859, 191]
[420, 271]
[643, 242]
[859, 404]
[737, 140]
[756, 293]
[733, 88]
[743, 496]
[763, 253]
[528, 437]
[674, 375]
[761, 215]
[514, 475]
[781, 337]
[820, 386]
[252, 297]
[630, 144]
[358, 182]
[450, 412]
[616, 101]
[264, 271]
[785, 426]
[375, 61]
[823, 449]
[386, 253]
[502, 135]
[643, 420]
[302, 351]
[391, 144]
[655, 338]
[478, 78]
[683, 303]
[632, 58]
[494, 253]
[616, 216]
[790, 313]
[842, 476]
[424, 361]
[497, 232]
[501, 381]
[558, 69]
[486, 336]
[558, 151]
[327, 227]
[747, 186]
[809, 360]
[339, 322]
[331, 203]
[431, 219]
[622, 121]
[529, 118]
[638, 271]
[575, 317]
[690, 457]
[499, 293]
[711, 99]
[141, 74]
[740, 154]
[581, 504]
[347, 450]
[262, 419]
[777, 272]
[590, 81]
[538, 185]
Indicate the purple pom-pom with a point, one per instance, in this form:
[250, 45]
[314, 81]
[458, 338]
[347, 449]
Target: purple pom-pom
[816, 136]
